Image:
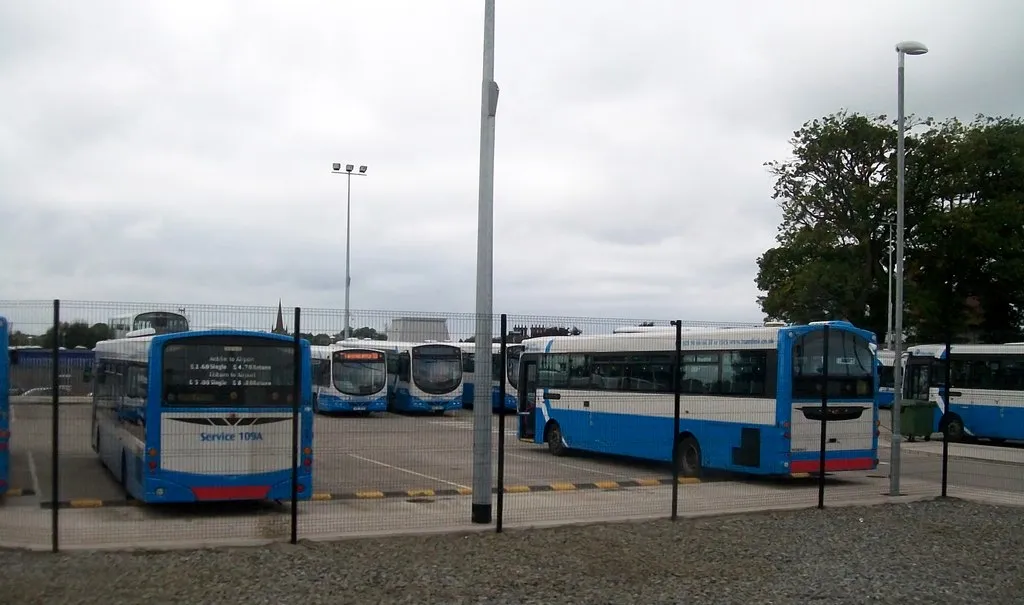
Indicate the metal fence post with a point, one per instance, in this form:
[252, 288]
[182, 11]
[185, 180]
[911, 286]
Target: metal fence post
[824, 418]
[503, 360]
[945, 412]
[296, 407]
[55, 428]
[676, 386]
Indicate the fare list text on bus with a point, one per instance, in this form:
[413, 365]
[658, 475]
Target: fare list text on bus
[224, 370]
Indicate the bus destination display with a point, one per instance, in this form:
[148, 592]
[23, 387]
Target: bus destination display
[230, 367]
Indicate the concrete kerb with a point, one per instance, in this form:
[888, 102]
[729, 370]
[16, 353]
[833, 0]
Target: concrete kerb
[416, 493]
[454, 492]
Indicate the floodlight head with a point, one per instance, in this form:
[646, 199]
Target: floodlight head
[909, 47]
[362, 169]
[336, 166]
[349, 167]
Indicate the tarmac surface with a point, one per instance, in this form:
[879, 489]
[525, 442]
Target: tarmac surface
[398, 474]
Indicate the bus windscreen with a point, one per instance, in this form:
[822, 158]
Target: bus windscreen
[228, 372]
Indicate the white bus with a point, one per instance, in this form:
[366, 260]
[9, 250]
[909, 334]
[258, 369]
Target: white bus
[202, 415]
[425, 376]
[161, 322]
[350, 378]
[750, 398]
[886, 377]
[512, 353]
[986, 400]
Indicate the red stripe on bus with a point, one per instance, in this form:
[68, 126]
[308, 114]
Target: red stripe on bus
[244, 492]
[834, 465]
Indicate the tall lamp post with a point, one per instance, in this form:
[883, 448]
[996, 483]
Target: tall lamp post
[888, 273]
[336, 169]
[902, 50]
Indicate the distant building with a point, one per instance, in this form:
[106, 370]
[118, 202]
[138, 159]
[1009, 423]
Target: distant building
[418, 329]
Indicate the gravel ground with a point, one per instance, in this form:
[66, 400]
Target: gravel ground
[927, 552]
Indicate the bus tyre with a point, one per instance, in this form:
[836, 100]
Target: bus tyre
[555, 444]
[687, 457]
[954, 429]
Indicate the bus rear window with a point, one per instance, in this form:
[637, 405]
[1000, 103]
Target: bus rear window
[850, 370]
[223, 371]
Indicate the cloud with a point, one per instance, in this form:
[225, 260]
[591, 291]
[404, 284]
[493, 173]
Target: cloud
[171, 152]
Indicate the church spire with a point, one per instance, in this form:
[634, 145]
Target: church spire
[279, 328]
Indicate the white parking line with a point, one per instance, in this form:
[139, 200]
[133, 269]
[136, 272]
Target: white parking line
[410, 472]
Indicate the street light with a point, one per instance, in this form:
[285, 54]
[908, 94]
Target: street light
[888, 272]
[902, 49]
[348, 230]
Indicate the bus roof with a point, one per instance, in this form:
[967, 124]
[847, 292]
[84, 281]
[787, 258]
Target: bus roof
[759, 338]
[939, 351]
[495, 346]
[392, 345]
[137, 349]
[325, 351]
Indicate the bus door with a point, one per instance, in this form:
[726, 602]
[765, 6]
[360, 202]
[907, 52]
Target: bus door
[527, 400]
[917, 382]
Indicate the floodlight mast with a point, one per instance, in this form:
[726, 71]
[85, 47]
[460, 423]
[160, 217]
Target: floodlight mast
[348, 234]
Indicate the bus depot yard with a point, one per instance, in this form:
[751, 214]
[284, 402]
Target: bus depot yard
[391, 473]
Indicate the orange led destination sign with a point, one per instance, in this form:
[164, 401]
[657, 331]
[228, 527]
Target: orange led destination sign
[359, 355]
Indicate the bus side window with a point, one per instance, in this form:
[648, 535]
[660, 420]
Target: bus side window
[403, 366]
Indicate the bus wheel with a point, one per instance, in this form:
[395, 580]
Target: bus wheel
[687, 457]
[555, 444]
[954, 429]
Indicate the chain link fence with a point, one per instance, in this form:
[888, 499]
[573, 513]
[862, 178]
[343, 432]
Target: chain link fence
[160, 425]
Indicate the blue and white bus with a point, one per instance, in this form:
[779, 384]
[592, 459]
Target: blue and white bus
[161, 322]
[512, 353]
[5, 407]
[202, 415]
[886, 378]
[750, 398]
[349, 379]
[423, 376]
[986, 400]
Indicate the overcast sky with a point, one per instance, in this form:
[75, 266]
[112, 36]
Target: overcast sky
[181, 151]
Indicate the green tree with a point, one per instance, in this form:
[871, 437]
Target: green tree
[77, 333]
[962, 226]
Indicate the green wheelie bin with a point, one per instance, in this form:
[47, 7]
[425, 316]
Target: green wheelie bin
[917, 419]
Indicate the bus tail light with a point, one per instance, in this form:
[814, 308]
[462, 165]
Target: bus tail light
[786, 435]
[307, 450]
[785, 424]
[307, 461]
[4, 434]
[153, 452]
[152, 466]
